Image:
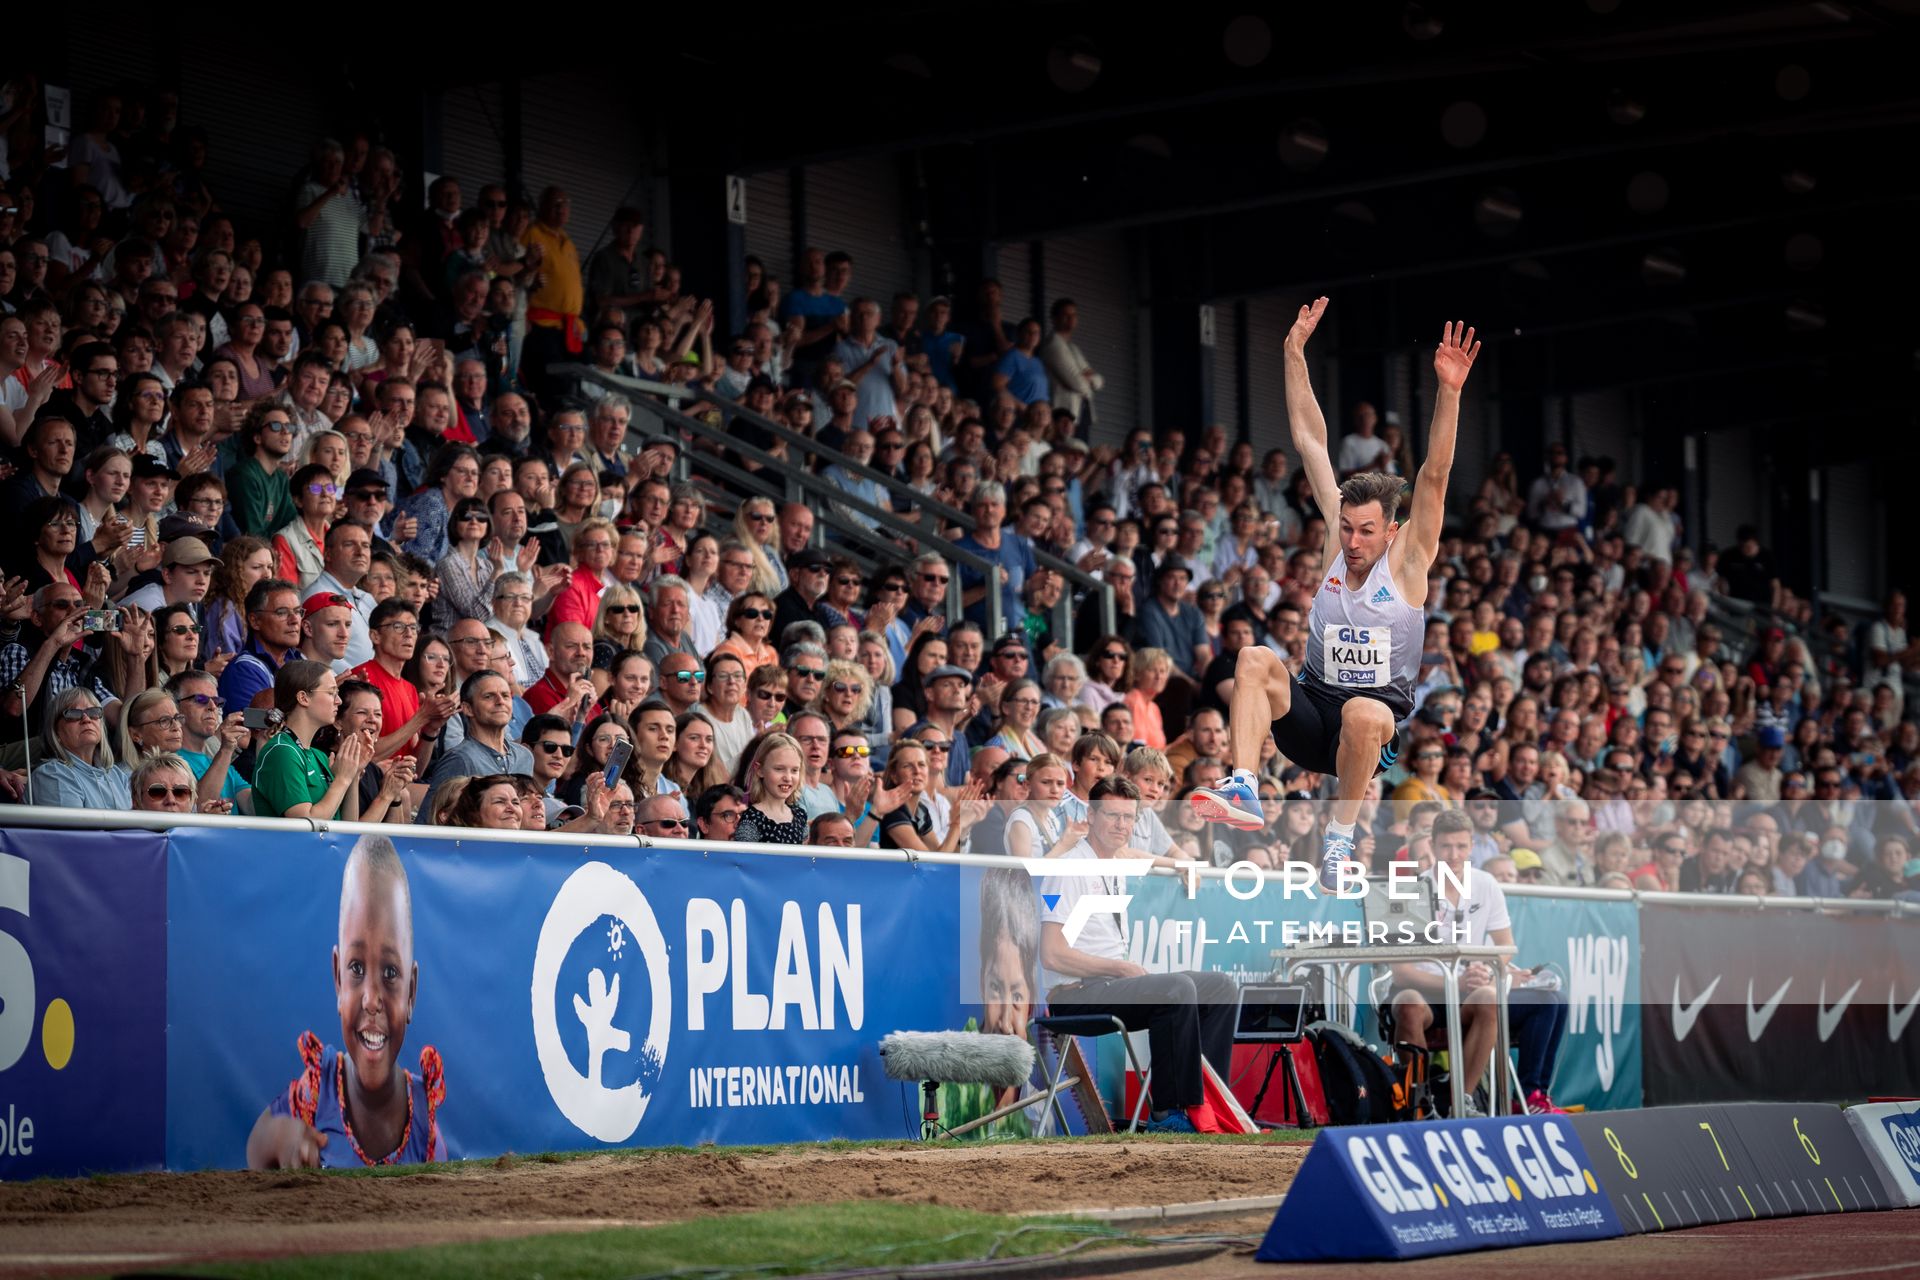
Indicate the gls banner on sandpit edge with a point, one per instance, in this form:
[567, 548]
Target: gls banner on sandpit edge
[1438, 1187]
[575, 996]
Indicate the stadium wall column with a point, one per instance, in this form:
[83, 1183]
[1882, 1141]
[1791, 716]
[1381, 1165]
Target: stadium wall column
[709, 245]
[1177, 284]
[959, 194]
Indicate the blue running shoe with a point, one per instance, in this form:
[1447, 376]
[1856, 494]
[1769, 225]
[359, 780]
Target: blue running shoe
[1235, 802]
[1337, 853]
[1176, 1122]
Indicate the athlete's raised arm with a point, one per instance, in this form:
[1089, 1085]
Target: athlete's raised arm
[1419, 541]
[1308, 424]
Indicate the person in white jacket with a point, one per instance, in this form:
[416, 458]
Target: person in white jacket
[1074, 380]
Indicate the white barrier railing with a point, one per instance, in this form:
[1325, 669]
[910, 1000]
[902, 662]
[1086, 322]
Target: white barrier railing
[113, 820]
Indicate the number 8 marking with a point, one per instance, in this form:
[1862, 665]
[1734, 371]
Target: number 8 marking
[1626, 1165]
[1806, 1143]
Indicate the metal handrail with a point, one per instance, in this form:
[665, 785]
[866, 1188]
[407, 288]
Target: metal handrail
[825, 492]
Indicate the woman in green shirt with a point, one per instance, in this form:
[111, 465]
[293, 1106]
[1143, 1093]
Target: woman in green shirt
[290, 778]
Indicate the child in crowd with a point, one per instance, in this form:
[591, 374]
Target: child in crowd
[774, 814]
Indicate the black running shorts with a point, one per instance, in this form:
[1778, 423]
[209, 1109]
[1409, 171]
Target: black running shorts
[1309, 734]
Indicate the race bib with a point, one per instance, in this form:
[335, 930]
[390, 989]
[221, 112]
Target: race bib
[1355, 657]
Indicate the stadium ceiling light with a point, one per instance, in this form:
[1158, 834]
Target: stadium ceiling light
[1303, 145]
[1420, 22]
[1624, 108]
[1247, 40]
[1797, 181]
[1498, 212]
[1073, 65]
[1806, 317]
[1153, 144]
[1662, 267]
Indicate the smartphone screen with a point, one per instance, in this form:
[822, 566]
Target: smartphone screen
[257, 718]
[617, 760]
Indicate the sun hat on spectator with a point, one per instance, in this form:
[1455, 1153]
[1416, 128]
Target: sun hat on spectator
[1524, 859]
[1009, 640]
[1172, 564]
[949, 670]
[365, 478]
[323, 600]
[809, 558]
[1769, 737]
[186, 551]
[146, 467]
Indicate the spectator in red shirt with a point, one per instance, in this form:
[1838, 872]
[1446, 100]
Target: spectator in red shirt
[406, 718]
[579, 601]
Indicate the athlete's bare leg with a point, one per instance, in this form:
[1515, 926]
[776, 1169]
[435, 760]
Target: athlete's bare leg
[1366, 726]
[1262, 693]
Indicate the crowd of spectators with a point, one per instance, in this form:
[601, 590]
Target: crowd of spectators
[329, 471]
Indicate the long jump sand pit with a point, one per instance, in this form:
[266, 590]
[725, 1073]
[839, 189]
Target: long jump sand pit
[116, 1223]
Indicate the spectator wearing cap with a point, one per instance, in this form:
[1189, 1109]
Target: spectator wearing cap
[873, 365]
[949, 693]
[1527, 868]
[349, 554]
[186, 573]
[616, 273]
[1759, 778]
[1166, 621]
[326, 626]
[1483, 808]
[809, 570]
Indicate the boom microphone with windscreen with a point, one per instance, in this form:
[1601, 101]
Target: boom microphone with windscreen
[955, 1057]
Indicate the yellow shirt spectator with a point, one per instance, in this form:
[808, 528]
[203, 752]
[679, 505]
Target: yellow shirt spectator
[562, 292]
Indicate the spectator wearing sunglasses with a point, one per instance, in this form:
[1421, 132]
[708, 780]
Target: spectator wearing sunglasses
[682, 680]
[210, 738]
[163, 783]
[549, 740]
[662, 816]
[467, 570]
[78, 769]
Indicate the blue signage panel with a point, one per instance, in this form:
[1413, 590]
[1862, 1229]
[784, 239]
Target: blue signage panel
[83, 1001]
[572, 997]
[1444, 1186]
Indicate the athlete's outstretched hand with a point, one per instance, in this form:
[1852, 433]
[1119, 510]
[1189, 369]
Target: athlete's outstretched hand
[1453, 358]
[1305, 323]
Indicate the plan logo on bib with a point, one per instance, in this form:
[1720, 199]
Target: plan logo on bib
[601, 957]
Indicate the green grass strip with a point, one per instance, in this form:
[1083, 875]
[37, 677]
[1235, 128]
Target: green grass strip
[781, 1242]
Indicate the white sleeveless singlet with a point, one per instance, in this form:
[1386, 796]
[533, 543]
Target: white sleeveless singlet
[1366, 640]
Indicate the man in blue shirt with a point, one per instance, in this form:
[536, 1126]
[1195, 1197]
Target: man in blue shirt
[822, 310]
[1020, 373]
[1008, 549]
[938, 346]
[1168, 622]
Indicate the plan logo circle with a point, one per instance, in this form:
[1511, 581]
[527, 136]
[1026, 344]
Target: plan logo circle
[593, 891]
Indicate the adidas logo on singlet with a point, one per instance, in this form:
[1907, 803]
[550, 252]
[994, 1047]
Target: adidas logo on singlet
[1382, 596]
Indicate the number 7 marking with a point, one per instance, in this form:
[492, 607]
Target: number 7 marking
[1716, 1146]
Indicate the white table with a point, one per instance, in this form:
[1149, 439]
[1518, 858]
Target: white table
[1451, 957]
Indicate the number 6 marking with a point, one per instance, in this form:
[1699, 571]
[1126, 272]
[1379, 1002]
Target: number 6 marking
[1716, 1146]
[1806, 1143]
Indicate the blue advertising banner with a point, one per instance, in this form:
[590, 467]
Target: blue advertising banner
[572, 997]
[82, 1002]
[1442, 1186]
[1596, 946]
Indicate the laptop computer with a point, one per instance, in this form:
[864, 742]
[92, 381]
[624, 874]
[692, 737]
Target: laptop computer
[1270, 1011]
[1402, 918]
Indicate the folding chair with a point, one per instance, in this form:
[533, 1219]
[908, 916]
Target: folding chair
[1091, 1026]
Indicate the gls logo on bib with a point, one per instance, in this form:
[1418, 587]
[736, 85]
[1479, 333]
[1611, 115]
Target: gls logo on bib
[1354, 657]
[590, 894]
